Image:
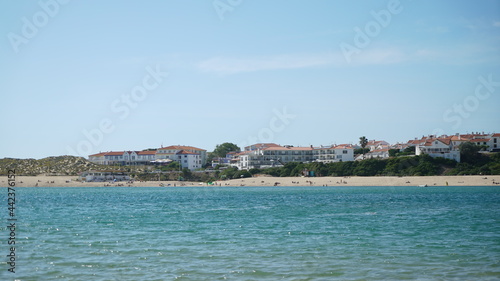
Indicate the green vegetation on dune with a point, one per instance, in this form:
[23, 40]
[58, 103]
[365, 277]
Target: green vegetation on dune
[58, 165]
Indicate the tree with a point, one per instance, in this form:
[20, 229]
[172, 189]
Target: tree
[228, 173]
[222, 149]
[469, 152]
[242, 174]
[187, 174]
[172, 166]
[361, 150]
[393, 152]
[363, 142]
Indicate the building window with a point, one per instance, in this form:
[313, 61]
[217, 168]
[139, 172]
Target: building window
[345, 151]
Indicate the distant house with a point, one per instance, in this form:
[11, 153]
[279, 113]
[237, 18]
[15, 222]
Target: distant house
[382, 153]
[170, 152]
[260, 146]
[334, 153]
[272, 155]
[439, 147]
[241, 160]
[145, 156]
[373, 145]
[225, 161]
[98, 158]
[120, 157]
[188, 159]
[495, 143]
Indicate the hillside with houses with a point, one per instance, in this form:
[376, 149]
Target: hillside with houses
[269, 155]
[459, 154]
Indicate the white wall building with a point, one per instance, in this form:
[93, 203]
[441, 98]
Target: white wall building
[98, 158]
[374, 145]
[335, 153]
[145, 156]
[495, 142]
[188, 159]
[170, 152]
[275, 156]
[439, 147]
[382, 153]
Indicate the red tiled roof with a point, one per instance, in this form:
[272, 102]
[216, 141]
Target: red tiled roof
[115, 153]
[374, 142]
[180, 147]
[186, 152]
[146, 152]
[459, 138]
[343, 146]
[445, 140]
[480, 140]
[415, 142]
[98, 154]
[496, 135]
[430, 142]
[261, 146]
[265, 144]
[288, 148]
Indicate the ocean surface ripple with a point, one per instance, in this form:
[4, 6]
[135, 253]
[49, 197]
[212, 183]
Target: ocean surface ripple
[257, 233]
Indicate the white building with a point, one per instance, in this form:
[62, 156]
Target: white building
[188, 159]
[334, 153]
[170, 152]
[272, 156]
[114, 158]
[439, 147]
[382, 153]
[98, 158]
[448, 146]
[374, 145]
[265, 156]
[495, 143]
[145, 156]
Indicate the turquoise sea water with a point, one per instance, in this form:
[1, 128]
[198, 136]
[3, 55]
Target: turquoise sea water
[256, 233]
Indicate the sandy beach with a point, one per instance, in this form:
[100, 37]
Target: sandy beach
[71, 181]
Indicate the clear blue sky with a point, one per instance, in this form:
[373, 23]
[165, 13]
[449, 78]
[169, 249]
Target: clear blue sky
[235, 68]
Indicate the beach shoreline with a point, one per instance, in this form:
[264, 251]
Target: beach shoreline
[71, 181]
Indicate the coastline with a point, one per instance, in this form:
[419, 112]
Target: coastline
[70, 181]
